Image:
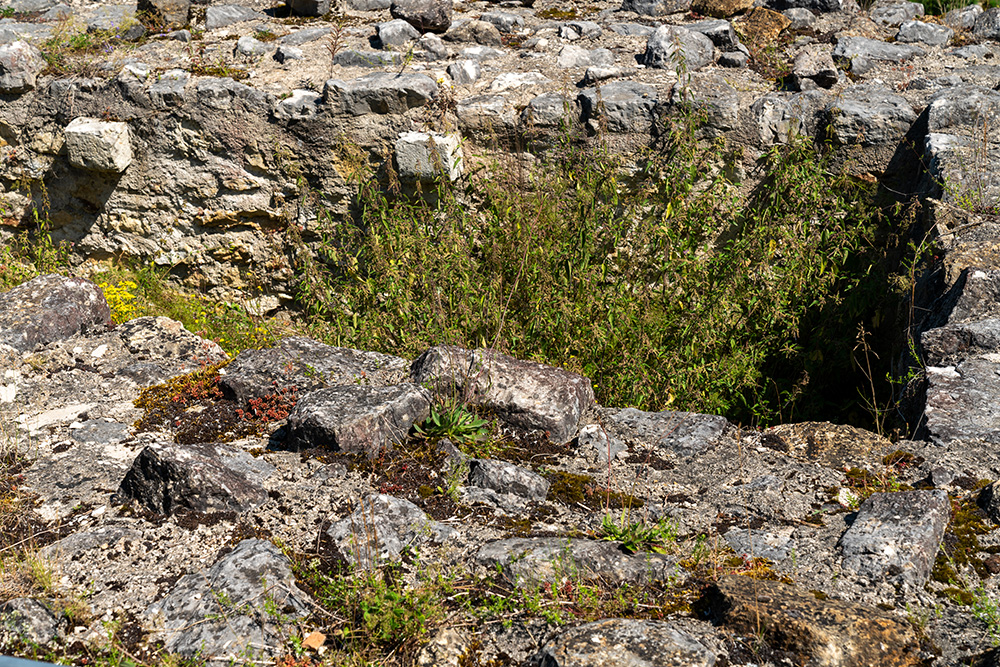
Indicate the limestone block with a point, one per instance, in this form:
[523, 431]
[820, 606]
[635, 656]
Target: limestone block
[98, 145]
[422, 156]
[20, 64]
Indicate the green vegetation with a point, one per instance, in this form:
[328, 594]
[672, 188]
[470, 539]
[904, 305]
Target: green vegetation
[660, 285]
[454, 422]
[635, 536]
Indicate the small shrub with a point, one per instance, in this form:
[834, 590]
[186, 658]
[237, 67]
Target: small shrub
[454, 422]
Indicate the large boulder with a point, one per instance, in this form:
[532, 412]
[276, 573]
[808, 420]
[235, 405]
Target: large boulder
[50, 308]
[20, 63]
[523, 393]
[620, 106]
[98, 145]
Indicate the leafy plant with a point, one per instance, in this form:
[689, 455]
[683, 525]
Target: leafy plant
[454, 422]
[659, 538]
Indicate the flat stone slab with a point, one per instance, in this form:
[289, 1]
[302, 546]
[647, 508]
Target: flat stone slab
[822, 632]
[50, 308]
[504, 477]
[166, 478]
[522, 393]
[379, 93]
[307, 365]
[225, 611]
[962, 400]
[869, 116]
[626, 106]
[528, 562]
[895, 536]
[380, 528]
[626, 642]
[833, 445]
[355, 418]
[220, 16]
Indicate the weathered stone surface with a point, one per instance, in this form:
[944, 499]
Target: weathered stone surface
[523, 393]
[721, 9]
[505, 477]
[683, 433]
[161, 338]
[963, 17]
[893, 12]
[860, 52]
[487, 116]
[800, 18]
[656, 7]
[869, 116]
[371, 59]
[812, 68]
[626, 642]
[826, 633]
[763, 24]
[169, 87]
[624, 106]
[551, 110]
[167, 478]
[424, 15]
[220, 16]
[676, 48]
[249, 46]
[301, 105]
[223, 611]
[474, 31]
[28, 621]
[427, 156]
[310, 7]
[20, 63]
[396, 33]
[526, 562]
[594, 444]
[961, 400]
[719, 31]
[464, 72]
[99, 145]
[931, 34]
[380, 93]
[307, 365]
[50, 308]
[834, 445]
[379, 530]
[166, 14]
[355, 418]
[304, 36]
[504, 21]
[895, 536]
[775, 545]
[574, 56]
[953, 343]
[987, 24]
[711, 100]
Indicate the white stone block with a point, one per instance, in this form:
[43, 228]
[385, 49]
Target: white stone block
[98, 145]
[424, 156]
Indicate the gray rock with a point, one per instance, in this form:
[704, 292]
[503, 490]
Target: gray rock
[676, 48]
[504, 21]
[427, 157]
[975, 296]
[773, 545]
[528, 562]
[101, 431]
[720, 31]
[713, 102]
[110, 18]
[869, 116]
[368, 5]
[895, 536]
[594, 444]
[247, 45]
[582, 29]
[892, 12]
[486, 116]
[20, 63]
[955, 342]
[310, 7]
[972, 52]
[817, 6]
[987, 24]
[733, 59]
[684, 433]
[380, 93]
[656, 7]
[379, 530]
[434, 47]
[161, 338]
[301, 105]
[631, 29]
[963, 18]
[595, 75]
[800, 17]
[550, 110]
[574, 56]
[931, 34]
[74, 547]
[507, 478]
[861, 51]
[284, 53]
[29, 6]
[220, 16]
[477, 32]
[166, 14]
[395, 33]
[624, 106]
[240, 605]
[223, 93]
[464, 72]
[961, 401]
[13, 31]
[812, 68]
[50, 308]
[352, 58]
[180, 35]
[97, 145]
[623, 641]
[424, 15]
[304, 36]
[167, 478]
[480, 53]
[522, 393]
[168, 89]
[28, 621]
[354, 418]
